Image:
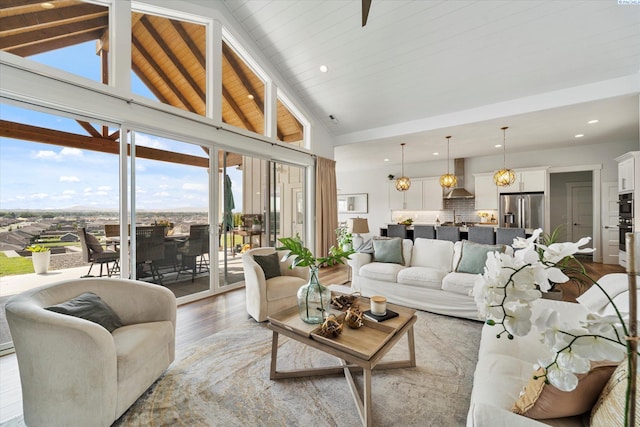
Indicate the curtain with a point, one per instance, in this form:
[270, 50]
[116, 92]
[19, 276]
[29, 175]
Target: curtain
[326, 205]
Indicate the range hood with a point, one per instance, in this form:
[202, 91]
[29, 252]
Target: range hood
[459, 192]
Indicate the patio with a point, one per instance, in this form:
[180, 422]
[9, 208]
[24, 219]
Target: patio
[71, 266]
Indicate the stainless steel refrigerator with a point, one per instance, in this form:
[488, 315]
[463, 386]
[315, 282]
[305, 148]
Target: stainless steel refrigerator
[522, 210]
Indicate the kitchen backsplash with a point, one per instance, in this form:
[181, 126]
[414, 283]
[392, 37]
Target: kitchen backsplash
[465, 211]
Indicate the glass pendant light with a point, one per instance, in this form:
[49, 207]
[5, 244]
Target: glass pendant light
[403, 183]
[504, 177]
[448, 180]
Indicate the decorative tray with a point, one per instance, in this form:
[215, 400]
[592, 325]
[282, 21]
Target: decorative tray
[363, 342]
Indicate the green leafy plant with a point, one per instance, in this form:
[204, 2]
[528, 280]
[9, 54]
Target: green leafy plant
[37, 248]
[343, 236]
[304, 257]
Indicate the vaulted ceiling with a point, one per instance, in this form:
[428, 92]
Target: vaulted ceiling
[167, 55]
[421, 70]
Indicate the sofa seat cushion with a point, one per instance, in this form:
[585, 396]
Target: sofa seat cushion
[137, 344]
[459, 283]
[422, 276]
[283, 287]
[381, 271]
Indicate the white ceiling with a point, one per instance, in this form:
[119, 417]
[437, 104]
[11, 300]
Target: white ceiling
[421, 70]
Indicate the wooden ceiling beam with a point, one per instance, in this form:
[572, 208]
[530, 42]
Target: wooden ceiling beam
[167, 81]
[148, 84]
[173, 58]
[193, 47]
[23, 7]
[89, 128]
[60, 32]
[103, 145]
[258, 99]
[236, 109]
[49, 45]
[49, 18]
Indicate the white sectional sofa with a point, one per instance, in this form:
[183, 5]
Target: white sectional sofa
[426, 280]
[505, 366]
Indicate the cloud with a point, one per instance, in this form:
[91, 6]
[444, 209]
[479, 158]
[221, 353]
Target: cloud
[194, 187]
[38, 196]
[69, 179]
[104, 188]
[69, 192]
[70, 152]
[46, 155]
[52, 155]
[149, 141]
[162, 194]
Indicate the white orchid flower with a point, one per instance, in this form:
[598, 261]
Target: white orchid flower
[520, 243]
[556, 252]
[518, 319]
[571, 361]
[596, 347]
[562, 379]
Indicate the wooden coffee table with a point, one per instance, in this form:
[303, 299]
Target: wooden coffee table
[359, 350]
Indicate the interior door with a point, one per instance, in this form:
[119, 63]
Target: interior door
[581, 212]
[609, 215]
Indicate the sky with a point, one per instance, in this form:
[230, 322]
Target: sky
[43, 176]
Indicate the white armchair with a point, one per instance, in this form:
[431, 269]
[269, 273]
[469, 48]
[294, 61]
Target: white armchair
[73, 371]
[266, 297]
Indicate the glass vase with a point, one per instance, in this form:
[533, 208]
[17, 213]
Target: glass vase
[313, 299]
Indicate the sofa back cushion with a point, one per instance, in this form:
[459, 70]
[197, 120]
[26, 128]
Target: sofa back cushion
[432, 253]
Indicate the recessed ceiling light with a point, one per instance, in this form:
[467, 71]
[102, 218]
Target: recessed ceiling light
[385, 160]
[47, 5]
[324, 69]
[436, 154]
[590, 122]
[498, 145]
[250, 96]
[580, 135]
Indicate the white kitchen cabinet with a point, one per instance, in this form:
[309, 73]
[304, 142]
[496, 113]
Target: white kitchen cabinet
[413, 197]
[527, 181]
[431, 194]
[626, 174]
[486, 192]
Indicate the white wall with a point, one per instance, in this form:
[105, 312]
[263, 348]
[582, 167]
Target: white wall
[375, 182]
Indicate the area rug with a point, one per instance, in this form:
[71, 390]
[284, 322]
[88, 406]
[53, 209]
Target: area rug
[223, 380]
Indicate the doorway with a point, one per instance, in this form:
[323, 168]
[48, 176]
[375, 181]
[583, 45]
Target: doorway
[571, 205]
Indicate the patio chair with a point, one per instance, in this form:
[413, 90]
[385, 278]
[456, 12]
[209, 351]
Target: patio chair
[150, 250]
[94, 253]
[195, 252]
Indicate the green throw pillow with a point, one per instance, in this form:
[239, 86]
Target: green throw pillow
[474, 256]
[388, 250]
[89, 306]
[270, 264]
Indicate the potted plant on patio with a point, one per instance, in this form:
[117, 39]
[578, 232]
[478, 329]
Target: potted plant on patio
[40, 256]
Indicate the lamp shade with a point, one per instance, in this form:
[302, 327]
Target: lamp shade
[358, 225]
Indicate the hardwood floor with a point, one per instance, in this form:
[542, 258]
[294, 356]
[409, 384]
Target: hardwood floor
[200, 319]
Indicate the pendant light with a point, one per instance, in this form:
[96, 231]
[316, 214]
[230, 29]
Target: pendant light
[448, 180]
[403, 183]
[504, 177]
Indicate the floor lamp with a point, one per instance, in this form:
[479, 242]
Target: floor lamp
[357, 226]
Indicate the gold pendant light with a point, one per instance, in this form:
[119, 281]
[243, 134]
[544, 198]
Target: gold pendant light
[403, 183]
[504, 177]
[448, 180]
